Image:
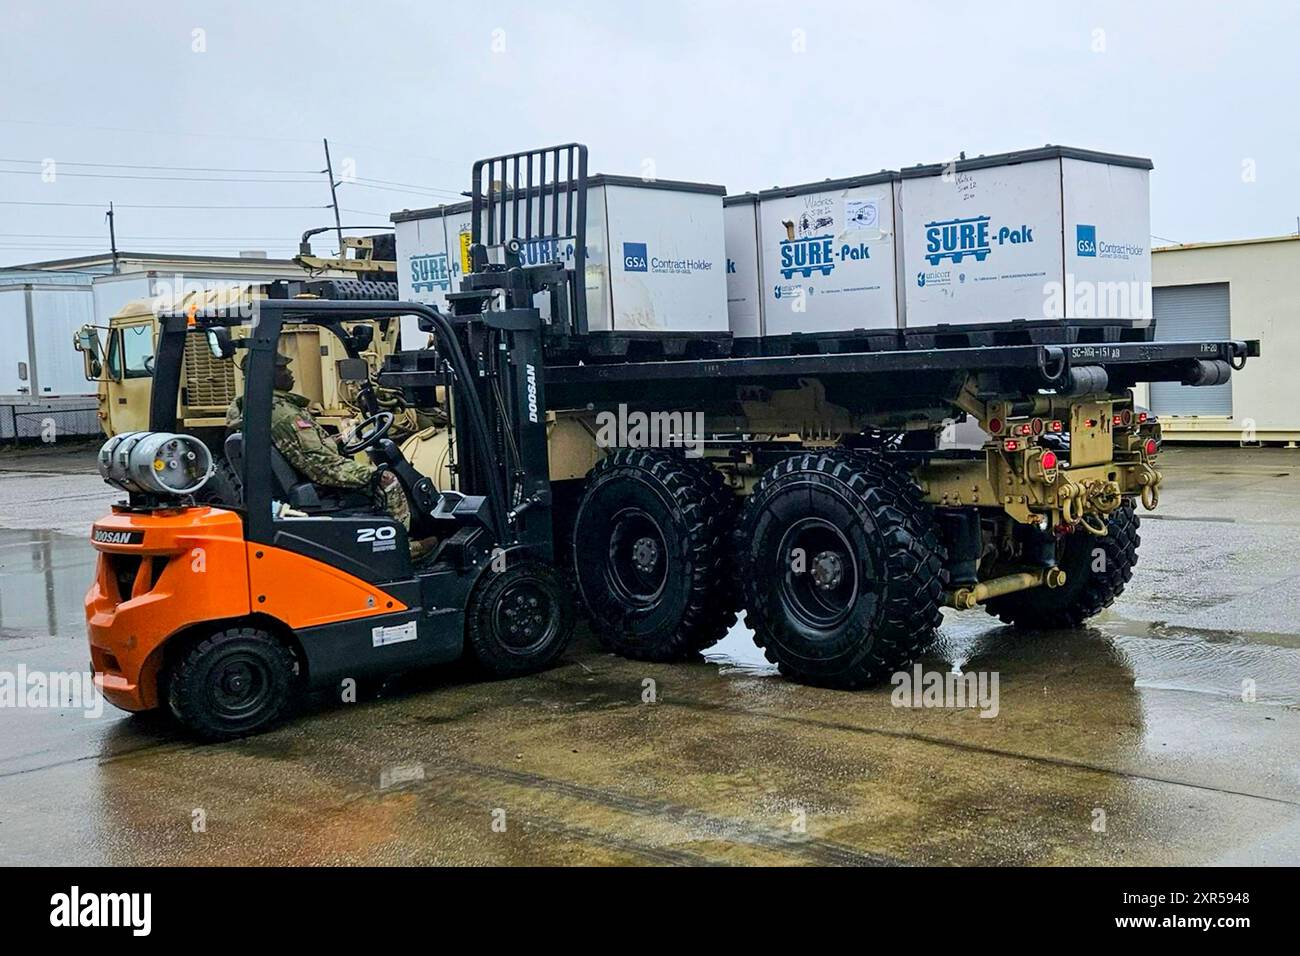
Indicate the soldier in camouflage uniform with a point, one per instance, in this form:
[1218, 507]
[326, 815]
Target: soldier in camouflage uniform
[313, 452]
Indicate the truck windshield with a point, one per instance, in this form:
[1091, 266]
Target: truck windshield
[130, 353]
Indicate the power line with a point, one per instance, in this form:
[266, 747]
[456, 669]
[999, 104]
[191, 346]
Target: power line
[281, 242]
[172, 133]
[86, 235]
[380, 183]
[158, 179]
[187, 169]
[158, 132]
[100, 205]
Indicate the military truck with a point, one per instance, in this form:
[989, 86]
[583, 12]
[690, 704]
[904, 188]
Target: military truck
[806, 483]
[676, 482]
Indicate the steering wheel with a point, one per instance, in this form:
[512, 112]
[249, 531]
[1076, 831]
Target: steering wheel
[366, 434]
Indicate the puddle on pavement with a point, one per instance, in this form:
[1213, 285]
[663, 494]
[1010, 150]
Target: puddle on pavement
[1154, 657]
[1231, 665]
[43, 582]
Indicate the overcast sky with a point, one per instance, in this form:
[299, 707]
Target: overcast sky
[749, 95]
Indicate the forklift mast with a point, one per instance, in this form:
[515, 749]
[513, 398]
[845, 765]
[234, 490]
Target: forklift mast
[523, 290]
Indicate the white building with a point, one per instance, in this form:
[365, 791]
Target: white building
[1231, 290]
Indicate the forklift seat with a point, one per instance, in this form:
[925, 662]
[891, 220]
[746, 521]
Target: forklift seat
[288, 486]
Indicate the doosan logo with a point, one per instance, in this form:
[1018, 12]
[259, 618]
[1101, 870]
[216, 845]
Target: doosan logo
[106, 536]
[531, 373]
[75, 908]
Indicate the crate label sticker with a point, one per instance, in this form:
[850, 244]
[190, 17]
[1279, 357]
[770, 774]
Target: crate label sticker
[862, 214]
[382, 636]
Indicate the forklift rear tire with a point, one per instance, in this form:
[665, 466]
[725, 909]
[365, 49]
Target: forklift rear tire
[1096, 570]
[842, 568]
[651, 559]
[519, 620]
[234, 683]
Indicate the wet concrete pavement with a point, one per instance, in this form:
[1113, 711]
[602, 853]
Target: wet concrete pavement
[1137, 723]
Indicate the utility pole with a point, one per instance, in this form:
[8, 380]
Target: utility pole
[334, 196]
[112, 237]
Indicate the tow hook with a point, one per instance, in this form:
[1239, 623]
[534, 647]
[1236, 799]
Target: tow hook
[1148, 480]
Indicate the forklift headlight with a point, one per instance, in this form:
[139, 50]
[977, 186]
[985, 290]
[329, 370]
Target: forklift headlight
[159, 463]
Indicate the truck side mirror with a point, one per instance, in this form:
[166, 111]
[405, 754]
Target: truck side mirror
[86, 341]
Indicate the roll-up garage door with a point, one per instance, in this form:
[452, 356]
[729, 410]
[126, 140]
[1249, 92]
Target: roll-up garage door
[1191, 313]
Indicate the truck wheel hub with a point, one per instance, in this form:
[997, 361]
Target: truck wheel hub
[827, 570]
[645, 554]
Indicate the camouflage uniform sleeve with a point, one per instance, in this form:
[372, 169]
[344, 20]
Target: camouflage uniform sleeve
[311, 452]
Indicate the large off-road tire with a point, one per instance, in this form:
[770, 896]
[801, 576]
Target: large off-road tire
[234, 683]
[651, 554]
[520, 619]
[841, 566]
[1096, 570]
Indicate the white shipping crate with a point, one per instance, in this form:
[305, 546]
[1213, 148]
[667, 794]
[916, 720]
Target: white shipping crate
[426, 270]
[1052, 233]
[744, 299]
[655, 254]
[826, 252]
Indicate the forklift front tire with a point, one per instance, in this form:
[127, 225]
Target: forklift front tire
[520, 619]
[234, 683]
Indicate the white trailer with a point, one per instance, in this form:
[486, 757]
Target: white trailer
[43, 392]
[37, 323]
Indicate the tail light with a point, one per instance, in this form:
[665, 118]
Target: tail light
[1149, 448]
[1048, 461]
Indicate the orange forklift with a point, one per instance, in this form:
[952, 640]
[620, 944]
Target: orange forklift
[223, 614]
